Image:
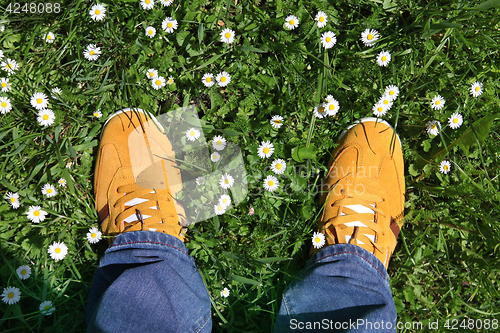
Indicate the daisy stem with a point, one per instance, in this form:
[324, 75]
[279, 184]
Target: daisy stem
[316, 102]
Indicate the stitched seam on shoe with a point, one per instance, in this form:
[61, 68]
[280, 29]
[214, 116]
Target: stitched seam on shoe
[203, 325]
[330, 255]
[149, 242]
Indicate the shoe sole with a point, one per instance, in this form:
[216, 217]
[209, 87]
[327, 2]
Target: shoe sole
[127, 110]
[365, 120]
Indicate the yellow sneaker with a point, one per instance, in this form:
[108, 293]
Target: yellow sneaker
[364, 202]
[136, 196]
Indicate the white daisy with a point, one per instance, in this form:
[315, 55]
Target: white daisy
[476, 89]
[147, 4]
[23, 272]
[11, 295]
[271, 183]
[226, 181]
[97, 12]
[278, 166]
[369, 36]
[2, 29]
[332, 107]
[266, 149]
[36, 214]
[208, 80]
[166, 3]
[223, 79]
[219, 209]
[158, 82]
[318, 240]
[277, 121]
[383, 58]
[46, 308]
[224, 293]
[321, 19]
[218, 143]
[251, 211]
[227, 36]
[97, 114]
[328, 39]
[433, 127]
[4, 84]
[379, 109]
[58, 251]
[215, 157]
[192, 134]
[92, 52]
[170, 80]
[455, 120]
[445, 167]
[1, 52]
[225, 200]
[5, 105]
[392, 92]
[169, 24]
[56, 91]
[69, 165]
[386, 100]
[9, 65]
[49, 37]
[49, 190]
[200, 181]
[320, 111]
[13, 199]
[152, 73]
[46, 117]
[170, 70]
[94, 235]
[62, 182]
[328, 98]
[437, 103]
[39, 101]
[291, 22]
[150, 32]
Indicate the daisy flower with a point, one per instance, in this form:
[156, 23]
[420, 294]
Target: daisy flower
[23, 272]
[158, 82]
[147, 4]
[58, 251]
[444, 167]
[192, 134]
[383, 58]
[278, 166]
[56, 91]
[369, 36]
[291, 22]
[49, 190]
[320, 111]
[433, 127]
[97, 12]
[9, 65]
[218, 143]
[455, 120]
[332, 107]
[150, 32]
[166, 3]
[318, 240]
[4, 83]
[227, 36]
[379, 109]
[46, 117]
[225, 200]
[386, 100]
[94, 235]
[200, 181]
[36, 214]
[62, 182]
[49, 37]
[266, 149]
[208, 80]
[251, 211]
[46, 308]
[223, 79]
[437, 103]
[169, 24]
[13, 199]
[226, 181]
[215, 157]
[224, 293]
[321, 19]
[392, 92]
[1, 52]
[476, 89]
[328, 39]
[2, 29]
[11, 295]
[69, 165]
[219, 209]
[92, 52]
[277, 121]
[271, 183]
[170, 80]
[328, 98]
[152, 74]
[97, 114]
[39, 101]
[5, 105]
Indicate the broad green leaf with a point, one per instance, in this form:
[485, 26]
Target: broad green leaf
[245, 280]
[271, 260]
[211, 60]
[300, 154]
[248, 49]
[488, 5]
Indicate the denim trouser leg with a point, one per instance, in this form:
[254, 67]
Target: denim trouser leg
[342, 288]
[146, 282]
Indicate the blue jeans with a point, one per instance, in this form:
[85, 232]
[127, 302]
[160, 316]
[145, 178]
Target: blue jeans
[147, 282]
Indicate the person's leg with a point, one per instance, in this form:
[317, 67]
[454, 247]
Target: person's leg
[345, 286]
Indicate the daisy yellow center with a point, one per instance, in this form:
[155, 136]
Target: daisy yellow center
[386, 102]
[292, 22]
[49, 37]
[92, 52]
[225, 200]
[4, 84]
[370, 37]
[380, 109]
[271, 183]
[191, 133]
[58, 250]
[445, 167]
[209, 79]
[227, 35]
[36, 213]
[277, 121]
[93, 235]
[45, 117]
[384, 58]
[317, 239]
[438, 102]
[4, 105]
[150, 32]
[158, 82]
[46, 307]
[220, 207]
[10, 295]
[331, 107]
[391, 92]
[328, 39]
[170, 81]
[39, 101]
[214, 156]
[278, 166]
[169, 25]
[96, 114]
[321, 19]
[9, 65]
[266, 150]
[477, 88]
[455, 120]
[433, 126]
[12, 199]
[49, 190]
[223, 79]
[97, 12]
[321, 110]
[23, 272]
[219, 143]
[151, 74]
[148, 1]
[226, 181]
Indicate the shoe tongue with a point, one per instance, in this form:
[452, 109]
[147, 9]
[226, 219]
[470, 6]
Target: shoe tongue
[134, 202]
[359, 209]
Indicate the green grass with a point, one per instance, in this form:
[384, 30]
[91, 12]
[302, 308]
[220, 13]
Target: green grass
[446, 264]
